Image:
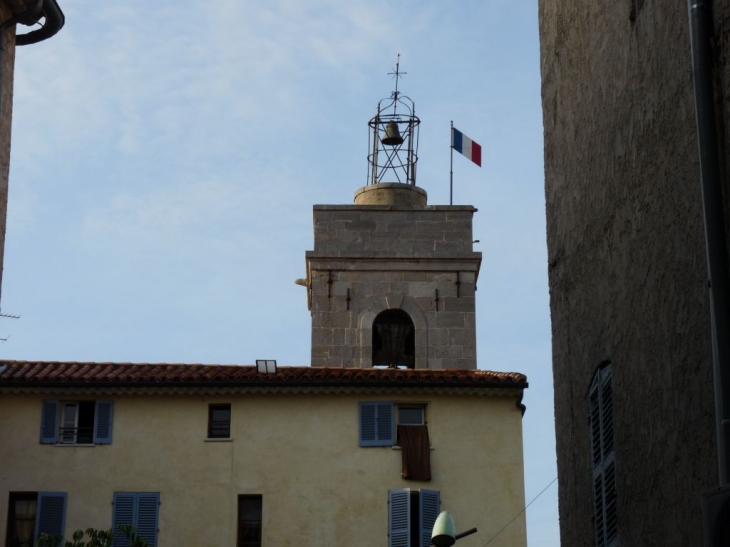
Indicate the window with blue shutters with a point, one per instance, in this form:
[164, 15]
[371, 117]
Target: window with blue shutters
[600, 406]
[31, 514]
[411, 516]
[50, 514]
[377, 423]
[76, 422]
[138, 509]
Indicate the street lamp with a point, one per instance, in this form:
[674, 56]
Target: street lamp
[444, 532]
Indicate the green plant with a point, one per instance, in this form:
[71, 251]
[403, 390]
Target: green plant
[95, 538]
[130, 532]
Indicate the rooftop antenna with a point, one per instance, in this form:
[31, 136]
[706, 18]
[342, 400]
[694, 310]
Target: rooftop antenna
[393, 138]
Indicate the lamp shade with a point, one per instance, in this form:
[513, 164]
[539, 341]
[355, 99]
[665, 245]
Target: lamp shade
[444, 531]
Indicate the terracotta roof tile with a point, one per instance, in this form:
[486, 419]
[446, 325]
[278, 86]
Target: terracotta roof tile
[44, 373]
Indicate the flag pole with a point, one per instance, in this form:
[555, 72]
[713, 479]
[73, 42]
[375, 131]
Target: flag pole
[451, 167]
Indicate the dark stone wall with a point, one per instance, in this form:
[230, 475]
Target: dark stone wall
[626, 256]
[6, 109]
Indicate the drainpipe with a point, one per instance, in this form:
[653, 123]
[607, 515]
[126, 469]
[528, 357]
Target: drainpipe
[54, 20]
[700, 33]
[5, 25]
[53, 23]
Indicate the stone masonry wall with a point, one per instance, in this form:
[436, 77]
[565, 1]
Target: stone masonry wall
[371, 258]
[393, 231]
[6, 114]
[627, 268]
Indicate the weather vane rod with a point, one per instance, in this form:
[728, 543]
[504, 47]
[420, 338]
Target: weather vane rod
[397, 75]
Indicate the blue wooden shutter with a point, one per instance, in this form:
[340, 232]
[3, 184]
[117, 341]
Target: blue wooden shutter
[49, 422]
[386, 423]
[600, 407]
[607, 413]
[124, 513]
[377, 424]
[103, 415]
[148, 504]
[399, 518]
[429, 504]
[51, 514]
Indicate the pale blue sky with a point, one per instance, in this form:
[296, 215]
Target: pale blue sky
[166, 157]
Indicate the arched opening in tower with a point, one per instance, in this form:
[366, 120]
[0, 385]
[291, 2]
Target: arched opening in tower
[394, 340]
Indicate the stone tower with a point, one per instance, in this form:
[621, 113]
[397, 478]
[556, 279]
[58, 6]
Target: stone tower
[391, 280]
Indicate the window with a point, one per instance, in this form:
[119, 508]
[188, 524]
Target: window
[412, 437]
[377, 423]
[249, 521]
[411, 516]
[219, 421]
[411, 415]
[394, 340]
[378, 428]
[76, 422]
[138, 509]
[600, 403]
[31, 514]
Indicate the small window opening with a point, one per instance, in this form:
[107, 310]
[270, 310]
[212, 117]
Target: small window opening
[411, 415]
[249, 520]
[77, 422]
[219, 421]
[394, 340]
[21, 519]
[415, 522]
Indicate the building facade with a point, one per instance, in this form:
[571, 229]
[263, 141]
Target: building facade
[216, 455]
[632, 362]
[390, 425]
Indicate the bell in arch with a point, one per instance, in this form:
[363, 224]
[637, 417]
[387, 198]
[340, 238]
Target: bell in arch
[392, 135]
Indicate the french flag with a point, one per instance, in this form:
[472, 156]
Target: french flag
[465, 146]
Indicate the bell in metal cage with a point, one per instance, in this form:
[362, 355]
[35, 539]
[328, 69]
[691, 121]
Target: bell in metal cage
[392, 135]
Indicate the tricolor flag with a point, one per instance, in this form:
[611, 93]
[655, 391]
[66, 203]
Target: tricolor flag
[465, 146]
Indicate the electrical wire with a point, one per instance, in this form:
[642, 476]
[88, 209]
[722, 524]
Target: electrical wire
[518, 514]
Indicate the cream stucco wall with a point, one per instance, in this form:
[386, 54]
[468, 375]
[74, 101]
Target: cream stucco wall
[300, 452]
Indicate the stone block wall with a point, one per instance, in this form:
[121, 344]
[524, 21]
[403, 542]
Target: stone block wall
[627, 270]
[368, 259]
[388, 231]
[6, 114]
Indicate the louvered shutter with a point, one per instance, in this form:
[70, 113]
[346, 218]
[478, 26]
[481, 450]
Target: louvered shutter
[399, 518]
[609, 502]
[595, 416]
[49, 422]
[429, 502]
[367, 424]
[103, 415]
[600, 405]
[607, 415]
[598, 512]
[386, 423]
[51, 514]
[124, 514]
[377, 424]
[148, 504]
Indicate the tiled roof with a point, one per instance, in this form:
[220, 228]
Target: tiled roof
[74, 374]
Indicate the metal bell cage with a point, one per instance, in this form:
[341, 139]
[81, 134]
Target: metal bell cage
[393, 142]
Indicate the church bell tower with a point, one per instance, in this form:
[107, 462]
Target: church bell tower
[391, 281]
